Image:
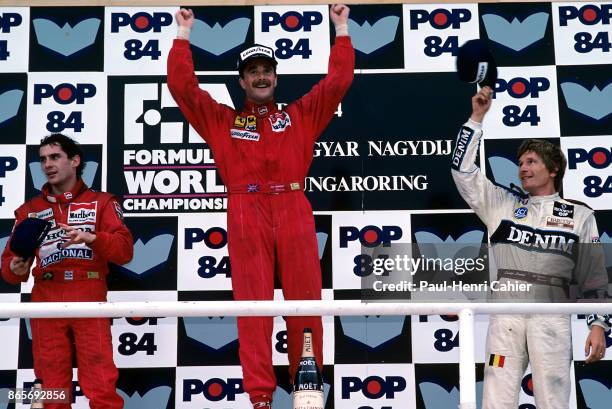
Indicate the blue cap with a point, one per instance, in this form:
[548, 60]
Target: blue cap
[28, 235]
[475, 63]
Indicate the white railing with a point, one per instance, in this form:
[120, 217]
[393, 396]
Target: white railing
[466, 311]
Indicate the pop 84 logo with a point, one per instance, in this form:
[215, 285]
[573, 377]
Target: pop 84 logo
[134, 36]
[140, 22]
[64, 94]
[519, 88]
[582, 33]
[203, 255]
[526, 103]
[440, 19]
[7, 22]
[214, 238]
[297, 34]
[595, 158]
[74, 104]
[369, 237]
[593, 16]
[374, 386]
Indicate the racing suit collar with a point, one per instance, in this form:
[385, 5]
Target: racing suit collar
[259, 110]
[65, 197]
[554, 196]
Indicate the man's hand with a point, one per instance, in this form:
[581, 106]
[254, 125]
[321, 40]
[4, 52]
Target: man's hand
[481, 102]
[595, 344]
[76, 236]
[184, 18]
[19, 266]
[338, 13]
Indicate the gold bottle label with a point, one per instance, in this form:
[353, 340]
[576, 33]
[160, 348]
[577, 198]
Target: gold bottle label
[308, 400]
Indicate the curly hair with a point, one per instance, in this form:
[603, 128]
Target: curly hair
[551, 155]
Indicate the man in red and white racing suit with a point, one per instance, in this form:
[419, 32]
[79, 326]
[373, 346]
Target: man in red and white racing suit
[71, 265]
[263, 155]
[541, 239]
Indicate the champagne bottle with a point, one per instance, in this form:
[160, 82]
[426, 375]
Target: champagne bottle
[308, 382]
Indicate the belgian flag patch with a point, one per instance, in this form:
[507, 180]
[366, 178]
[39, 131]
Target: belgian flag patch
[497, 360]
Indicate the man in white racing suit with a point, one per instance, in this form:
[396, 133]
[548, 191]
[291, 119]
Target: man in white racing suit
[537, 238]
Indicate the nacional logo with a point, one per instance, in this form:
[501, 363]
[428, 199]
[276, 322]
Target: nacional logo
[76, 253]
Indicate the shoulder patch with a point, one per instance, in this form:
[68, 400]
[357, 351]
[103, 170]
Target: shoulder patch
[118, 210]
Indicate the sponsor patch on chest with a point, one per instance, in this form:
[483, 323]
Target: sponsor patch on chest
[80, 213]
[520, 212]
[245, 135]
[46, 214]
[552, 221]
[563, 210]
[279, 121]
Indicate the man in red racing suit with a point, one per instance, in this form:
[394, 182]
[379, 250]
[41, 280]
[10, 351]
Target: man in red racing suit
[71, 265]
[263, 155]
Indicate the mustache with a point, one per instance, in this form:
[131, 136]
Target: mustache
[262, 82]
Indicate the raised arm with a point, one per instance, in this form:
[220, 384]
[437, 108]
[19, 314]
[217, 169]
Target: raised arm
[322, 101]
[201, 110]
[478, 191]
